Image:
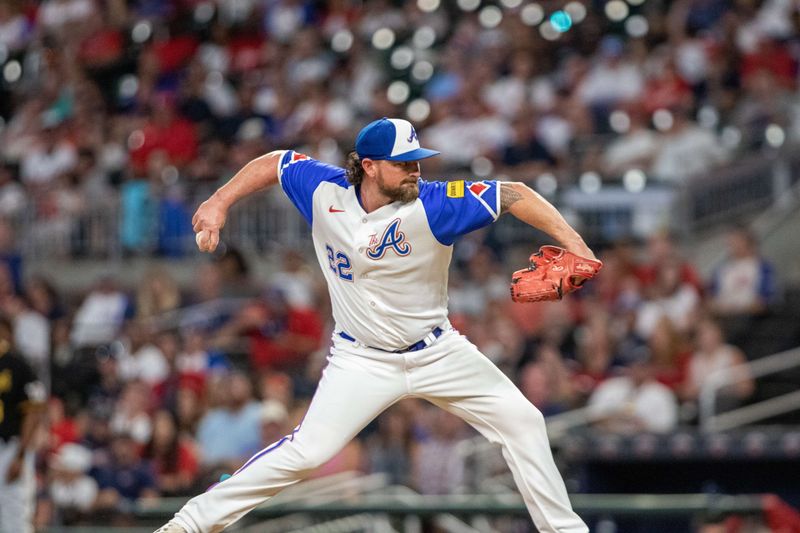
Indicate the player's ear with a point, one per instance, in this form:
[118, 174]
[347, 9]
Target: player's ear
[370, 166]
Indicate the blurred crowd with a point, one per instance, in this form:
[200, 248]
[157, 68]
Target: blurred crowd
[140, 106]
[157, 389]
[135, 106]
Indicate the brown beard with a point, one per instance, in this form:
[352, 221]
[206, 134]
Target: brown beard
[405, 192]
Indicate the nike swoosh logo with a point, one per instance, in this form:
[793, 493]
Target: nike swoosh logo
[332, 209]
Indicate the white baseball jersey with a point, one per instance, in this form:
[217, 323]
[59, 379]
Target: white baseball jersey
[386, 270]
[387, 277]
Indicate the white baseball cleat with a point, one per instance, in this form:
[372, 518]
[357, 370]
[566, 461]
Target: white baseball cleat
[170, 527]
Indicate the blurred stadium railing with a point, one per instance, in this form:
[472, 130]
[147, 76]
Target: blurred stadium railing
[757, 412]
[399, 509]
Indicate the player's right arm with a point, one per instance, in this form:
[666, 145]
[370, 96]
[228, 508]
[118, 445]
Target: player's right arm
[208, 220]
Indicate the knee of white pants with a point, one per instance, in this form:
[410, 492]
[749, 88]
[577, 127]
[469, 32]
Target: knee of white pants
[528, 416]
[315, 458]
[304, 457]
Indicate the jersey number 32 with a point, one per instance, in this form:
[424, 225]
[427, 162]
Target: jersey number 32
[339, 263]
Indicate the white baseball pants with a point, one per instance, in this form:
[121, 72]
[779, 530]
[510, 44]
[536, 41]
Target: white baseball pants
[17, 497]
[356, 386]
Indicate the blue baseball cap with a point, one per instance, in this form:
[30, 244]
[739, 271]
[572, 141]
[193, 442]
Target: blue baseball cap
[391, 139]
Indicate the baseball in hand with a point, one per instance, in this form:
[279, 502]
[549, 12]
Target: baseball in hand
[201, 237]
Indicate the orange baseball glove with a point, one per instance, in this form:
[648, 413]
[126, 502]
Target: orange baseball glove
[553, 272]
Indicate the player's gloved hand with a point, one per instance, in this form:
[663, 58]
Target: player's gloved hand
[553, 272]
[207, 222]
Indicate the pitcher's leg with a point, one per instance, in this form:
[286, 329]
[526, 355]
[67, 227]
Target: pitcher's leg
[349, 395]
[467, 384]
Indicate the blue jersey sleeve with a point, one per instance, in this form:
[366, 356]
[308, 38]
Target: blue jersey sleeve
[300, 176]
[458, 207]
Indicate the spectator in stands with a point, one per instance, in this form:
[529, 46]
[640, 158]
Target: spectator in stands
[13, 198]
[278, 386]
[141, 358]
[165, 131]
[438, 466]
[62, 212]
[165, 393]
[195, 359]
[534, 384]
[43, 297]
[771, 55]
[157, 293]
[31, 333]
[63, 428]
[234, 273]
[524, 155]
[712, 355]
[207, 289]
[51, 157]
[482, 283]
[508, 95]
[662, 248]
[124, 481]
[496, 335]
[635, 148]
[76, 369]
[14, 34]
[228, 433]
[762, 103]
[670, 354]
[62, 16]
[104, 395]
[472, 128]
[172, 455]
[100, 316]
[665, 87]
[743, 287]
[71, 491]
[545, 378]
[10, 261]
[745, 284]
[670, 298]
[102, 51]
[391, 449]
[274, 423]
[281, 337]
[612, 78]
[189, 410]
[635, 401]
[174, 222]
[137, 214]
[595, 355]
[131, 414]
[297, 280]
[686, 149]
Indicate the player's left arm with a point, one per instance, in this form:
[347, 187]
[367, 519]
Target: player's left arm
[530, 207]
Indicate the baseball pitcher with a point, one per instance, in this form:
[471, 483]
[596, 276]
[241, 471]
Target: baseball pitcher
[384, 239]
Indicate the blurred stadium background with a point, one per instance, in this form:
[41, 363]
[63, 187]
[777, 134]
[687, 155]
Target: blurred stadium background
[666, 131]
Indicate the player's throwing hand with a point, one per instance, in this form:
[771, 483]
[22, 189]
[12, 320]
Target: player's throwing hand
[207, 222]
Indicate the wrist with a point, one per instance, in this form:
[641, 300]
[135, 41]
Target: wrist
[221, 199]
[576, 245]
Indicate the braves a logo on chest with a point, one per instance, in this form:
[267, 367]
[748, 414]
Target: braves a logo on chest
[392, 238]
